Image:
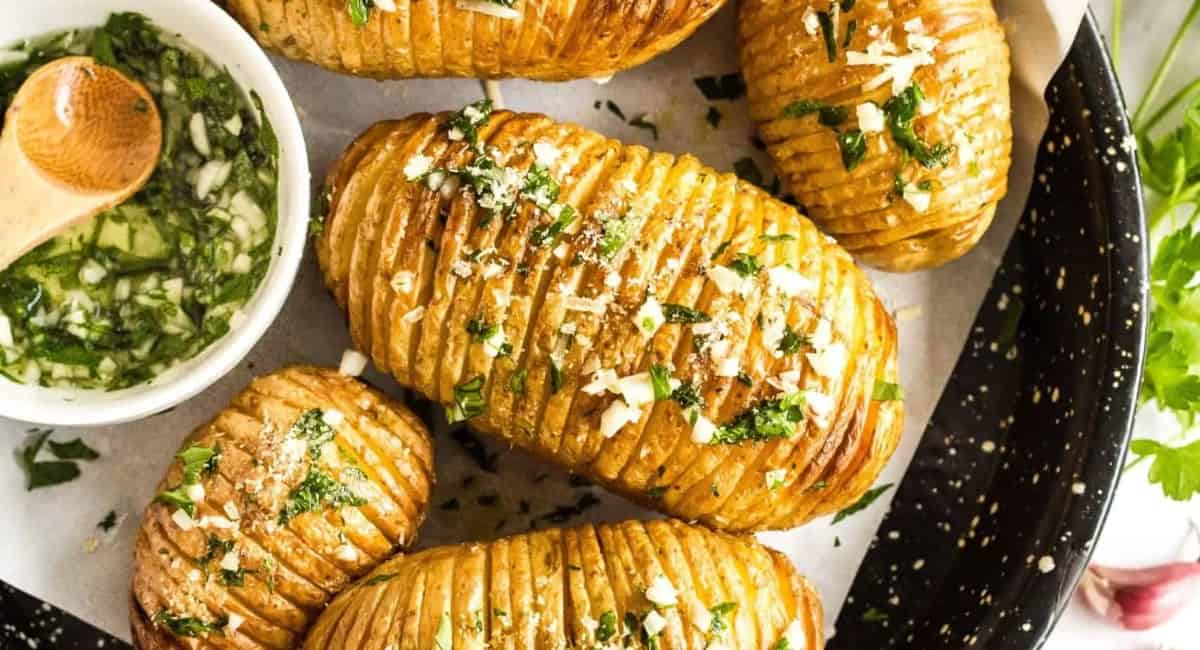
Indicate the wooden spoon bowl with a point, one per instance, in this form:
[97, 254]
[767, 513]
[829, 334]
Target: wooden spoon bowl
[79, 138]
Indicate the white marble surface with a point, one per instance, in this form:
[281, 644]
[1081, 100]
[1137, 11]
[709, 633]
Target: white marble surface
[1143, 527]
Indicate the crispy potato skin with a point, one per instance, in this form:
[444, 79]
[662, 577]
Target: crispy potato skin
[293, 570]
[552, 40]
[381, 227]
[549, 589]
[968, 85]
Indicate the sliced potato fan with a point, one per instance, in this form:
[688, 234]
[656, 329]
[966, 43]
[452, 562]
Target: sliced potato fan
[306, 481]
[890, 121]
[664, 329]
[661, 584]
[537, 39]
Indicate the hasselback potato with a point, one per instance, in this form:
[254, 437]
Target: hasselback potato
[307, 480]
[661, 584]
[889, 121]
[536, 39]
[666, 330]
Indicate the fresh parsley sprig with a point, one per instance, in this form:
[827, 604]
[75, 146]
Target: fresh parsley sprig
[1170, 166]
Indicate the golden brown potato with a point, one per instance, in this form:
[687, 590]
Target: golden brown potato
[684, 587]
[306, 481]
[890, 121]
[666, 330]
[542, 39]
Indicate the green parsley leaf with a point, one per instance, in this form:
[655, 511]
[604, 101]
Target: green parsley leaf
[1176, 469]
[549, 233]
[792, 342]
[312, 428]
[556, 377]
[73, 450]
[468, 397]
[614, 233]
[774, 238]
[480, 330]
[719, 612]
[680, 314]
[863, 503]
[657, 492]
[109, 522]
[660, 378]
[773, 418]
[828, 34]
[468, 120]
[901, 111]
[687, 395]
[745, 264]
[726, 86]
[50, 473]
[614, 109]
[316, 491]
[853, 145]
[642, 123]
[177, 498]
[516, 382]
[713, 117]
[886, 392]
[607, 627]
[188, 626]
[360, 11]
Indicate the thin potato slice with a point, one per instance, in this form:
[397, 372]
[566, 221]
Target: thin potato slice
[237, 572]
[534, 316]
[552, 40]
[925, 85]
[661, 584]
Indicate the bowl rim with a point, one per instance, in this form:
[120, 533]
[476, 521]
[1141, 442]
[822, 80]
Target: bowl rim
[95, 407]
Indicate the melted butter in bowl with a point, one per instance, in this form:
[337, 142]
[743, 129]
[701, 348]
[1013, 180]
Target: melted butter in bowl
[147, 304]
[121, 298]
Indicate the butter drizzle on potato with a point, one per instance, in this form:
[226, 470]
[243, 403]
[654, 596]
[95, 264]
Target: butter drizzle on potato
[890, 120]
[666, 330]
[307, 480]
[536, 39]
[659, 584]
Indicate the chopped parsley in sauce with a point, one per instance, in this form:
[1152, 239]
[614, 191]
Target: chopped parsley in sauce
[120, 298]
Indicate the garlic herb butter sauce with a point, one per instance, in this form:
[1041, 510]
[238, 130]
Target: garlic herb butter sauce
[119, 299]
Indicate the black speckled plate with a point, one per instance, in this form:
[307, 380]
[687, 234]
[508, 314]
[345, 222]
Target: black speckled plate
[1013, 477]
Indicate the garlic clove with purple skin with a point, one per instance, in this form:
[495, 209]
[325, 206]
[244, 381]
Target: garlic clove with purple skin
[1139, 599]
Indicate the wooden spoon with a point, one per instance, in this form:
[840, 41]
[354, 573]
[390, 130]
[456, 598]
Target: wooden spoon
[79, 138]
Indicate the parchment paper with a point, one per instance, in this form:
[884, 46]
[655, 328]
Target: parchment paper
[49, 543]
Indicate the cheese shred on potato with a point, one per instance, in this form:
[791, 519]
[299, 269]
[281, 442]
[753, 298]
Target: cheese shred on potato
[666, 330]
[536, 39]
[308, 480]
[661, 584]
[889, 120]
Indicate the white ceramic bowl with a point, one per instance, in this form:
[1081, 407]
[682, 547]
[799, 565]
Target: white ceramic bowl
[206, 27]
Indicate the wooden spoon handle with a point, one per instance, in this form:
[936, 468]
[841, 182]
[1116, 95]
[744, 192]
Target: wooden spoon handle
[36, 208]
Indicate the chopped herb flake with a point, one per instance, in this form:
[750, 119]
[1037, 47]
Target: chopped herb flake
[726, 86]
[863, 503]
[901, 111]
[853, 145]
[886, 392]
[774, 418]
[680, 314]
[660, 378]
[316, 491]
